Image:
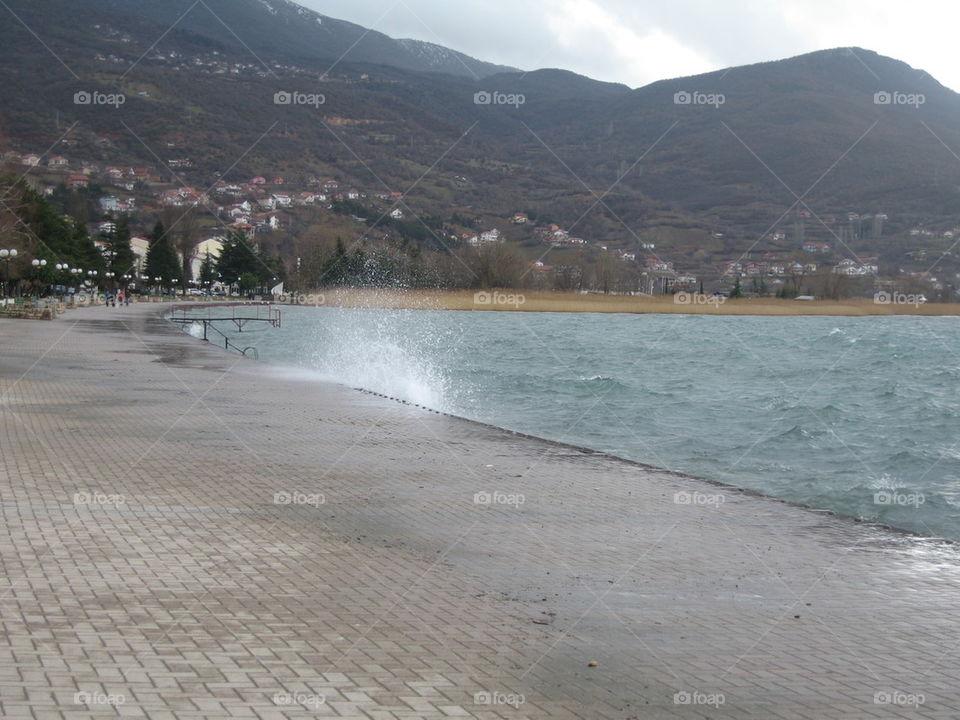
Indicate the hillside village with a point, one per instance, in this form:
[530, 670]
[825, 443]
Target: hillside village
[265, 203]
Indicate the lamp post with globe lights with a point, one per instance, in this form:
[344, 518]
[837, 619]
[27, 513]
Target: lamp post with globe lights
[38, 266]
[108, 284]
[7, 257]
[62, 271]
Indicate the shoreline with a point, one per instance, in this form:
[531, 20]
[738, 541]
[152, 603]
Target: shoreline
[592, 452]
[395, 591]
[524, 301]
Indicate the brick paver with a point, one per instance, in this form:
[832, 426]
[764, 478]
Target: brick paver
[188, 534]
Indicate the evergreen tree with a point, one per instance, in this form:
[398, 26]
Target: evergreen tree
[208, 271]
[162, 260]
[737, 290]
[122, 259]
[277, 268]
[85, 253]
[239, 257]
[335, 269]
[247, 282]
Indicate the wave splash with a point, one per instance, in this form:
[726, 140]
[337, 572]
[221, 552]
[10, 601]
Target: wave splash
[378, 350]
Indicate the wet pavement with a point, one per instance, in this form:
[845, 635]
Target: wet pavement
[190, 534]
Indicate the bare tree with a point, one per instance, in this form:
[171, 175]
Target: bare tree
[605, 272]
[495, 265]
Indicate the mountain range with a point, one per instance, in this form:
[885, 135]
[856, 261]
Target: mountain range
[760, 156]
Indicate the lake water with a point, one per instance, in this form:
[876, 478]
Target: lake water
[855, 415]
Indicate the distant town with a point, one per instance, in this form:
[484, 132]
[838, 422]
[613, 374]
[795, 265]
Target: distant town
[262, 204]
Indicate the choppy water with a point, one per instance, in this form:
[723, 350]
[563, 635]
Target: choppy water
[856, 415]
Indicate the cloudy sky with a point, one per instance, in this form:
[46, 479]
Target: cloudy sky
[638, 41]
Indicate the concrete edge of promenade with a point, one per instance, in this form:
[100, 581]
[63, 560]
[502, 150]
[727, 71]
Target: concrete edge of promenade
[166, 308]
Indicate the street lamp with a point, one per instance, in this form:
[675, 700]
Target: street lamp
[38, 266]
[63, 275]
[7, 256]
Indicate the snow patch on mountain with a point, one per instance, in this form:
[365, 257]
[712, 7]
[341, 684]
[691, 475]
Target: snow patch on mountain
[435, 55]
[268, 6]
[443, 58]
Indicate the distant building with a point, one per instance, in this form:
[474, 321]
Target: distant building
[658, 265]
[110, 203]
[866, 266]
[140, 246]
[308, 198]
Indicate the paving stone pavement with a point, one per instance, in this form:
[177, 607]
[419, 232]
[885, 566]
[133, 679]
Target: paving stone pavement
[189, 534]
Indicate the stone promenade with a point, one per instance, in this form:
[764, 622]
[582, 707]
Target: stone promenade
[189, 534]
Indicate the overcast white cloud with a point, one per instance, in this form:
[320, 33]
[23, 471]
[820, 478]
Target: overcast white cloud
[638, 41]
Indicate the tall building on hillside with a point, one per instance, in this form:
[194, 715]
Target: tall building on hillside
[854, 223]
[878, 225]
